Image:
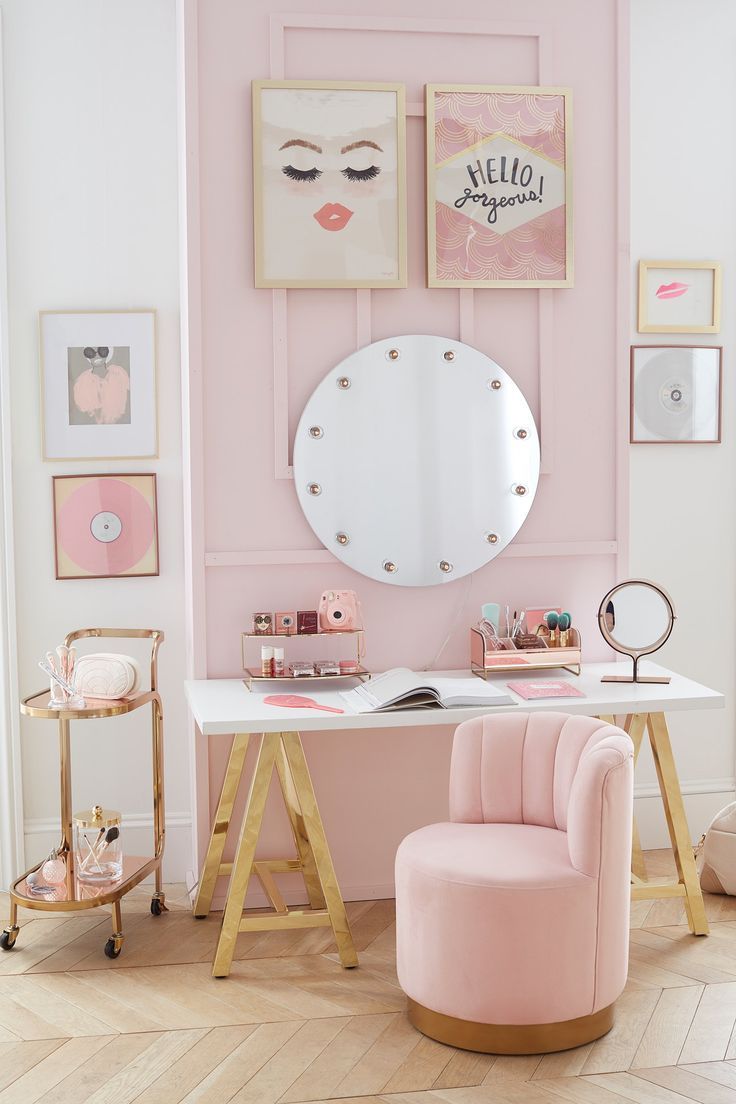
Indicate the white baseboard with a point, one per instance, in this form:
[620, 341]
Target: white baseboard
[41, 834]
[703, 799]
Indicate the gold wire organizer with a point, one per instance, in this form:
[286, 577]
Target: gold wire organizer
[74, 894]
[253, 674]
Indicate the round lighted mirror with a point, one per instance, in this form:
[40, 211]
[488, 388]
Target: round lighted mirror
[636, 618]
[416, 460]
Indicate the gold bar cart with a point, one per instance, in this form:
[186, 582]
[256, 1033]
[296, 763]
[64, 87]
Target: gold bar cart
[73, 894]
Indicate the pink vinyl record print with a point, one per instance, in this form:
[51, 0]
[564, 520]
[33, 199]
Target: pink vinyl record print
[105, 526]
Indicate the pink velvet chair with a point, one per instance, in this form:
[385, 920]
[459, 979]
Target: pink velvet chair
[512, 921]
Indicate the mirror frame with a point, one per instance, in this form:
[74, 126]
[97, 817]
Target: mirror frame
[635, 653]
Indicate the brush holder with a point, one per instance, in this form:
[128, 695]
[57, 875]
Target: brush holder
[553, 650]
[98, 845]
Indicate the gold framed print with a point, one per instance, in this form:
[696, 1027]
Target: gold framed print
[676, 394]
[329, 184]
[98, 384]
[105, 526]
[679, 297]
[499, 186]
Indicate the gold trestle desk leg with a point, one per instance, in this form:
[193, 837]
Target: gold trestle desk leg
[677, 825]
[230, 784]
[245, 854]
[301, 839]
[635, 726]
[318, 841]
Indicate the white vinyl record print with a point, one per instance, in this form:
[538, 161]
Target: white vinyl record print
[106, 526]
[416, 460]
[676, 394]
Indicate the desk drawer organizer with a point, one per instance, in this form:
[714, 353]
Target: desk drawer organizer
[485, 661]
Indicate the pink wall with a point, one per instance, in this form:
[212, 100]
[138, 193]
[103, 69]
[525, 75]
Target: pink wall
[263, 352]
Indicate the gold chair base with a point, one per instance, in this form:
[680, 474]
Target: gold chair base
[510, 1038]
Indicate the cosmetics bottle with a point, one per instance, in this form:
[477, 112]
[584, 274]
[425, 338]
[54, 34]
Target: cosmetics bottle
[266, 660]
[278, 661]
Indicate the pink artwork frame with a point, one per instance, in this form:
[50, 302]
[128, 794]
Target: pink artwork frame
[499, 186]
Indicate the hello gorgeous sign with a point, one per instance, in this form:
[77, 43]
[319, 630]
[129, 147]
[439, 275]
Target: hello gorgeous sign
[498, 187]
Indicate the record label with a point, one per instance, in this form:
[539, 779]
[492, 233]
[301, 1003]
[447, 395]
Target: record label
[106, 526]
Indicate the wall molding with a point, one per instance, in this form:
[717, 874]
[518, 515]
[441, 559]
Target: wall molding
[35, 826]
[11, 784]
[688, 788]
[279, 24]
[288, 556]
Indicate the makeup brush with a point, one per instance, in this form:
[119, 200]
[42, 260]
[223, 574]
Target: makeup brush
[563, 625]
[552, 620]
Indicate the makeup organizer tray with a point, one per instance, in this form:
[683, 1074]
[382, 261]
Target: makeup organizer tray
[486, 661]
[254, 674]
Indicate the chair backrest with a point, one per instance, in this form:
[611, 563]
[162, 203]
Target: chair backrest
[518, 768]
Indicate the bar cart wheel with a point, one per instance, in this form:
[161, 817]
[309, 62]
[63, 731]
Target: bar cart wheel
[158, 904]
[8, 938]
[114, 945]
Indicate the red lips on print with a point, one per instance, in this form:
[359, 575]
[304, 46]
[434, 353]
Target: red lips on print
[671, 291]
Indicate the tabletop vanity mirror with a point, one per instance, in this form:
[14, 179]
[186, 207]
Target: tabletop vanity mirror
[416, 460]
[636, 618]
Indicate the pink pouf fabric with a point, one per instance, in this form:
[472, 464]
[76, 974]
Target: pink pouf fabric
[517, 911]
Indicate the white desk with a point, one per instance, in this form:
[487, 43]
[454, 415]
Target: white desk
[227, 707]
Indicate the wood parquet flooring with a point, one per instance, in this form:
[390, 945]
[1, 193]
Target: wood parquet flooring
[290, 1026]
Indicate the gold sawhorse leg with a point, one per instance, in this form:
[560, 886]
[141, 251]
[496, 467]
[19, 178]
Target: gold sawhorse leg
[213, 864]
[284, 751]
[687, 885]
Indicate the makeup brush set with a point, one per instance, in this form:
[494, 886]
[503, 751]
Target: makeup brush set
[533, 639]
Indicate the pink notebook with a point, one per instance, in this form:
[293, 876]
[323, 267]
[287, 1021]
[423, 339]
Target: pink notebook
[530, 690]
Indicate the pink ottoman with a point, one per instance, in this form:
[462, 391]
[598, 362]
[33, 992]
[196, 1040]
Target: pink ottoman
[512, 921]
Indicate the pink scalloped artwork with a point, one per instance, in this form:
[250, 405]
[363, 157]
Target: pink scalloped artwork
[500, 187]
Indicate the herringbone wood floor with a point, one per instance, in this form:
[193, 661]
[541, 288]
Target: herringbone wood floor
[289, 1025]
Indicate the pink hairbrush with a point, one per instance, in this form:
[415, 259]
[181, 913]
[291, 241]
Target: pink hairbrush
[296, 701]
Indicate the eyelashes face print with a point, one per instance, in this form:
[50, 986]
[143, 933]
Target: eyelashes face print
[308, 176]
[302, 175]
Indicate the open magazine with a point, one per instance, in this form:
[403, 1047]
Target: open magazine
[402, 688]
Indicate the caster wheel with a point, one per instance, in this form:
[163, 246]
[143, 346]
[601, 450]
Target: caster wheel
[113, 948]
[158, 905]
[8, 938]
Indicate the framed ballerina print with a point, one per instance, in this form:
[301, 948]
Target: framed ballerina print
[499, 186]
[679, 297]
[329, 184]
[98, 384]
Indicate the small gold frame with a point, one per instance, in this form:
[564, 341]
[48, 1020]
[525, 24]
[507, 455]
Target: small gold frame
[507, 89]
[42, 383]
[261, 281]
[644, 326]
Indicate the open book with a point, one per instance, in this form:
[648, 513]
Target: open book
[401, 688]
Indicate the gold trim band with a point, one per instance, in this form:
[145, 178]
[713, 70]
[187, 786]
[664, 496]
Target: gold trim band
[510, 1038]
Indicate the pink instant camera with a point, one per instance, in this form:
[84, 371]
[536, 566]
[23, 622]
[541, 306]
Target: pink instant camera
[339, 609]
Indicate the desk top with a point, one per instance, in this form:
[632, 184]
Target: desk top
[225, 706]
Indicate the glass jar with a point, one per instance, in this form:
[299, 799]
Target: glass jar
[97, 845]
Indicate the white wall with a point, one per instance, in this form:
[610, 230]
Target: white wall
[683, 521]
[91, 121]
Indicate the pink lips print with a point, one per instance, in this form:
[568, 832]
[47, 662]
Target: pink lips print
[671, 291]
